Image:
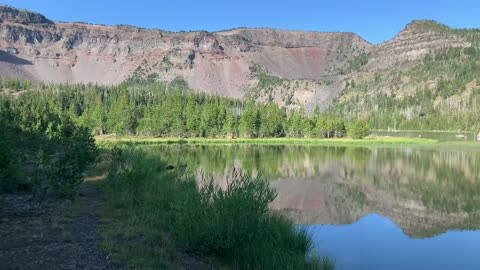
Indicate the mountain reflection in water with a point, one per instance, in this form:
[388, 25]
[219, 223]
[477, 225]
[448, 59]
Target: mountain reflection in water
[426, 200]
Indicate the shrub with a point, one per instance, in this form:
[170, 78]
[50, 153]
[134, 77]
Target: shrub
[50, 159]
[236, 224]
[359, 129]
[63, 159]
[6, 153]
[241, 204]
[8, 181]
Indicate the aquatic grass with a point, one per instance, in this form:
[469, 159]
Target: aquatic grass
[158, 219]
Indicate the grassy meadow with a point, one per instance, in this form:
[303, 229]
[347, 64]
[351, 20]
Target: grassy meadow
[369, 141]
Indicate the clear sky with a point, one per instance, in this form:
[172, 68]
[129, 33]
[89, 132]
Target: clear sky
[375, 20]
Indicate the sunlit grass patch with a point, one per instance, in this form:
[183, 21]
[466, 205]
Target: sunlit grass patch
[369, 141]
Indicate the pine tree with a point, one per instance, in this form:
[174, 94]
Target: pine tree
[249, 121]
[230, 127]
[192, 116]
[121, 117]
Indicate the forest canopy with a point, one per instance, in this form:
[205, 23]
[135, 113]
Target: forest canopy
[161, 110]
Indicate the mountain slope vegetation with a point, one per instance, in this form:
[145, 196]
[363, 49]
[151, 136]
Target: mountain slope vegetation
[439, 90]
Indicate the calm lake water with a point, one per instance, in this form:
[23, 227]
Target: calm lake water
[366, 208]
[440, 136]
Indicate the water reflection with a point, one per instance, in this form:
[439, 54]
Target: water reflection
[426, 201]
[424, 191]
[440, 136]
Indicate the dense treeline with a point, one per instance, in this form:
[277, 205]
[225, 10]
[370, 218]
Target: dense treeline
[41, 150]
[165, 110]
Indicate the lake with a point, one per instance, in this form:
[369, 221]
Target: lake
[440, 136]
[366, 208]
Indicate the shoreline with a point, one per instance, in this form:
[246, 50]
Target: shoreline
[374, 141]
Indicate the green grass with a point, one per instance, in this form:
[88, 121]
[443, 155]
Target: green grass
[373, 141]
[136, 212]
[153, 218]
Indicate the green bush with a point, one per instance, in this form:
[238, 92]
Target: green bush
[359, 129]
[5, 162]
[240, 205]
[6, 155]
[10, 150]
[75, 149]
[46, 158]
[236, 224]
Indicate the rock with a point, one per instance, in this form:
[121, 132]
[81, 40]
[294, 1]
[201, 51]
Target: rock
[9, 14]
[191, 57]
[206, 42]
[11, 50]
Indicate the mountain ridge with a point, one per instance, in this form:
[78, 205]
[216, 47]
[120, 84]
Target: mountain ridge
[313, 67]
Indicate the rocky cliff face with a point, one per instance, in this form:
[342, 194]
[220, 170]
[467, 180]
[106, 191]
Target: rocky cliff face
[38, 49]
[417, 39]
[9, 14]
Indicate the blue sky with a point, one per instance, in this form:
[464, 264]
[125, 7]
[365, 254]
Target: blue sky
[376, 20]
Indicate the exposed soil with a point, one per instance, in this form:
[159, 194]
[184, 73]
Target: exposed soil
[46, 234]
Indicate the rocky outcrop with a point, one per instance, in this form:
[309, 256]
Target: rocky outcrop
[13, 15]
[417, 39]
[206, 42]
